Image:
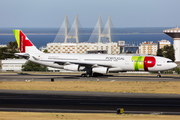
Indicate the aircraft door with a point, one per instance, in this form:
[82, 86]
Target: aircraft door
[159, 62]
[128, 65]
[127, 61]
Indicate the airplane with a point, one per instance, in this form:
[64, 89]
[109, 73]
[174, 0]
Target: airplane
[93, 64]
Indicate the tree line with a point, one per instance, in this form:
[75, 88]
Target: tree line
[12, 47]
[168, 52]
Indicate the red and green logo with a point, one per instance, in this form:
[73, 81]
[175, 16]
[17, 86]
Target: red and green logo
[22, 40]
[143, 62]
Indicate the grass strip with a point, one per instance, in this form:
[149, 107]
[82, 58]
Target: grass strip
[167, 87]
[81, 116]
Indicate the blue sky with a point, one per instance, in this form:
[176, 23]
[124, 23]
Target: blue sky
[124, 13]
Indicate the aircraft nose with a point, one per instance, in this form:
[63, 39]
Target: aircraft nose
[175, 65]
[171, 65]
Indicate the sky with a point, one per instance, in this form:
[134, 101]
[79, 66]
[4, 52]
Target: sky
[124, 13]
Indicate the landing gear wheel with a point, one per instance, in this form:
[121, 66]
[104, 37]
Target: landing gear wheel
[158, 75]
[86, 75]
[83, 75]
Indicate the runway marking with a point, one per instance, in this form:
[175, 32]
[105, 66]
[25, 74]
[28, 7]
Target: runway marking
[113, 80]
[139, 78]
[128, 104]
[117, 77]
[152, 112]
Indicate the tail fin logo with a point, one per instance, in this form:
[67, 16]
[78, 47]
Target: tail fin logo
[22, 40]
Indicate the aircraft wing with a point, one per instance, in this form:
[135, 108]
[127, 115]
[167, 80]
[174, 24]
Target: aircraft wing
[91, 64]
[87, 64]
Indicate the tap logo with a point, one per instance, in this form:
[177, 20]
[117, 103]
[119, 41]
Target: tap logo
[143, 62]
[21, 44]
[22, 40]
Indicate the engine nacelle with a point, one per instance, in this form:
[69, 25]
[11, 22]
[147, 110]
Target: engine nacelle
[72, 67]
[102, 70]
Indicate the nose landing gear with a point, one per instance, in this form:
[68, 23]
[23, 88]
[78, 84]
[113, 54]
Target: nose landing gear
[159, 74]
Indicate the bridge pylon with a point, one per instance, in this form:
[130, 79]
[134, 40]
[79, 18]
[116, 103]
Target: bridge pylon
[108, 35]
[66, 30]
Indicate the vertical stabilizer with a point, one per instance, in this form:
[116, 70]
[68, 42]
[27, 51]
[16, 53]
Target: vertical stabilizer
[24, 44]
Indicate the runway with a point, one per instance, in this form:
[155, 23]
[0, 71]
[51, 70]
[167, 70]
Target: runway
[88, 102]
[47, 77]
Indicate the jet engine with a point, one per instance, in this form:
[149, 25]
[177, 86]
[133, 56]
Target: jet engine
[72, 67]
[102, 70]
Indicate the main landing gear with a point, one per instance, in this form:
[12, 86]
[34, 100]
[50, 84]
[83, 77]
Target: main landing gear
[86, 75]
[91, 75]
[159, 74]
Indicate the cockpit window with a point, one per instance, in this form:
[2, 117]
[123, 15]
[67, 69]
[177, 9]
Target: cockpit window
[169, 61]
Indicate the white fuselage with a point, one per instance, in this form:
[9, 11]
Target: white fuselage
[113, 62]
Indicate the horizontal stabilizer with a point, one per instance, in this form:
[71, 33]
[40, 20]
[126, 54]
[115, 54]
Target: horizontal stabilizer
[8, 53]
[23, 55]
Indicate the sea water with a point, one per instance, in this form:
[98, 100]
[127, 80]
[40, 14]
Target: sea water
[130, 36]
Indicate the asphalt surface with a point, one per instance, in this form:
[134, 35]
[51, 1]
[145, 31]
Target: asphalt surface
[47, 77]
[87, 102]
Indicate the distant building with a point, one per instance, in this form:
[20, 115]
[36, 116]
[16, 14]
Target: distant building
[175, 34]
[82, 48]
[16, 65]
[121, 45]
[3, 45]
[12, 64]
[42, 48]
[163, 43]
[148, 48]
[97, 52]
